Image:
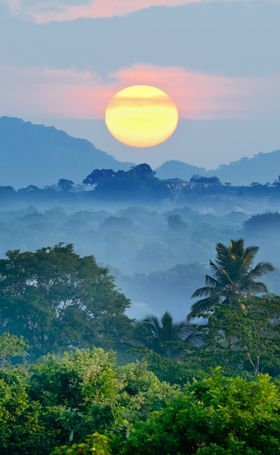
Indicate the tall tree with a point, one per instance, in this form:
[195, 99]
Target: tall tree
[56, 299]
[234, 276]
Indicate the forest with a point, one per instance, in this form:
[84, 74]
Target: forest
[139, 315]
[79, 376]
[157, 256]
[140, 184]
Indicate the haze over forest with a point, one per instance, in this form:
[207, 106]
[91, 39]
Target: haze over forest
[155, 238]
[139, 227]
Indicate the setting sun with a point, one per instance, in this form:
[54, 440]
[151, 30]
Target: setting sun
[141, 116]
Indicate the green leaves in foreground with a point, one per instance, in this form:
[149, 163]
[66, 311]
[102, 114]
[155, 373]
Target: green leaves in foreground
[53, 407]
[95, 444]
[218, 415]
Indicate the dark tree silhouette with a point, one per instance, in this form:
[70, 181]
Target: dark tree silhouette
[65, 184]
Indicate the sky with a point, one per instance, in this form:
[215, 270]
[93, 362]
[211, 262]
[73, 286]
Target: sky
[61, 61]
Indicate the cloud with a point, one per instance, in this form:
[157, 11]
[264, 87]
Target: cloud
[73, 94]
[237, 39]
[58, 10]
[43, 11]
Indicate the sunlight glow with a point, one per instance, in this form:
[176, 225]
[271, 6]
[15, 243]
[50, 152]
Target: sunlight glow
[141, 116]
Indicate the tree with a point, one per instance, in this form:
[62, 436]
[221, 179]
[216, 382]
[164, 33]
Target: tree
[96, 443]
[138, 182]
[234, 276]
[21, 431]
[85, 391]
[65, 185]
[100, 176]
[79, 393]
[198, 180]
[164, 336]
[253, 333]
[215, 415]
[11, 346]
[56, 299]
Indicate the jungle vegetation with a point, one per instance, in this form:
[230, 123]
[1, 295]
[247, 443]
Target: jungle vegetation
[78, 376]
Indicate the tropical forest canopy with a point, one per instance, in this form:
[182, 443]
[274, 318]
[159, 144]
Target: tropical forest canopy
[78, 376]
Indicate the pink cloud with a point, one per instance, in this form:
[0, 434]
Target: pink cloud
[44, 11]
[73, 94]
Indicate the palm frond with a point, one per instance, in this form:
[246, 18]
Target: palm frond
[200, 307]
[257, 287]
[210, 281]
[261, 269]
[206, 291]
[236, 248]
[250, 252]
[214, 268]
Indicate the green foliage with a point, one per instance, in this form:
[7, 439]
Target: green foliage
[83, 402]
[234, 276]
[20, 428]
[128, 410]
[248, 334]
[172, 371]
[242, 337]
[96, 444]
[11, 346]
[216, 415]
[143, 392]
[61, 400]
[164, 336]
[56, 299]
[78, 392]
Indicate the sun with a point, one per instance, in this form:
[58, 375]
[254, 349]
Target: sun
[141, 116]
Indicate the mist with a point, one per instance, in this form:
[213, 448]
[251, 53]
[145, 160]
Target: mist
[158, 253]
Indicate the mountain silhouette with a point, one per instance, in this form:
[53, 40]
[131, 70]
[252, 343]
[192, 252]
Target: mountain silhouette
[40, 155]
[262, 168]
[178, 169]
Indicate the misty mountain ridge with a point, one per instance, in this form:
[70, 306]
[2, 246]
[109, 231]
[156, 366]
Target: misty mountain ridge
[40, 155]
[262, 168]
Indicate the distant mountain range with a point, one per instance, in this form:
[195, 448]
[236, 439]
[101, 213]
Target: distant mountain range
[178, 169]
[40, 155]
[262, 168]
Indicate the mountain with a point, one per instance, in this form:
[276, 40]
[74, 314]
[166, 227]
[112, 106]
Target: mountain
[40, 155]
[178, 169]
[262, 168]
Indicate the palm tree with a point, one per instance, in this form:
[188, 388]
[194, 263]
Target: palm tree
[163, 335]
[234, 276]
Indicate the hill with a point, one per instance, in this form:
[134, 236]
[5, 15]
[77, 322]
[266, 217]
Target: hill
[262, 168]
[178, 169]
[40, 155]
